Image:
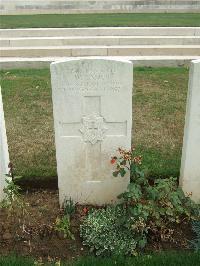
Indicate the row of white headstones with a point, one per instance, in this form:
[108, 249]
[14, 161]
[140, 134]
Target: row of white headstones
[92, 107]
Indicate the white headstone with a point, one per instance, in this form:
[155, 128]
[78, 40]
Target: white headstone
[92, 104]
[4, 157]
[190, 165]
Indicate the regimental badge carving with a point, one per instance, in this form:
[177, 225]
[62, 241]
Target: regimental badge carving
[93, 128]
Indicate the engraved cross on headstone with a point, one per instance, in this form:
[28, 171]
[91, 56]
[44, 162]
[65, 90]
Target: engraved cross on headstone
[93, 129]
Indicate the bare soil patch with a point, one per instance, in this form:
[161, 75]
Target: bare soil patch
[36, 235]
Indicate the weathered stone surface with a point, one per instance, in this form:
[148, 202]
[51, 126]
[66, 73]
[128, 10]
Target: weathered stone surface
[97, 6]
[4, 157]
[99, 40]
[92, 103]
[101, 50]
[190, 165]
[100, 31]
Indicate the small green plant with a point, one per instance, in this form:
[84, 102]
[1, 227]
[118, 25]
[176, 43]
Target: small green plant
[63, 225]
[127, 161]
[69, 207]
[15, 208]
[12, 197]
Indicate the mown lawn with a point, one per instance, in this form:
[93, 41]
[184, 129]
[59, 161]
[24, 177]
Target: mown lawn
[159, 103]
[162, 259]
[100, 20]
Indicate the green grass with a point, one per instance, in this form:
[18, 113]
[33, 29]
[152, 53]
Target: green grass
[28, 109]
[13, 260]
[162, 259]
[159, 103]
[100, 20]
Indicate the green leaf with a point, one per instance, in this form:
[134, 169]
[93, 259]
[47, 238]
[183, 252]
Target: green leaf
[142, 243]
[115, 174]
[122, 172]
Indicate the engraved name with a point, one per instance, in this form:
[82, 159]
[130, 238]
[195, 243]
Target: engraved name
[89, 89]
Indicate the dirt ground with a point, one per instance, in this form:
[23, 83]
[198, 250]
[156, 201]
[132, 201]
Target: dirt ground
[35, 235]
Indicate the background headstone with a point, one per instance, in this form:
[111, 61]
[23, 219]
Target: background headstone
[4, 156]
[92, 104]
[190, 165]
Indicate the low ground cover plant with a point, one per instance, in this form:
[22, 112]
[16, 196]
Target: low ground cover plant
[104, 232]
[149, 209]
